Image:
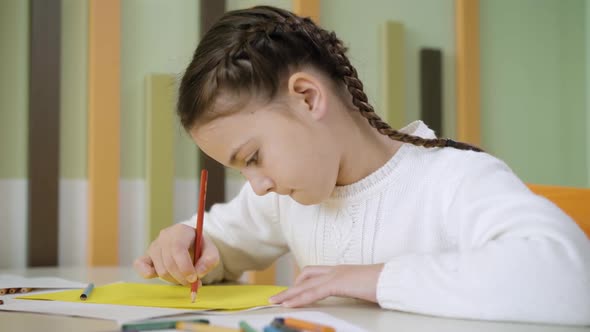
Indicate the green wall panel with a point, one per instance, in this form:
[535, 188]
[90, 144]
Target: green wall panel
[159, 98]
[533, 87]
[14, 87]
[587, 39]
[157, 37]
[427, 23]
[393, 75]
[241, 4]
[74, 90]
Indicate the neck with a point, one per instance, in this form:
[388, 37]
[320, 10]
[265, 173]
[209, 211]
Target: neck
[365, 150]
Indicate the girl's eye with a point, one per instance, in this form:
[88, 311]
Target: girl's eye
[253, 160]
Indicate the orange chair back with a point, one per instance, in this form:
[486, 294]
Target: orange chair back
[573, 201]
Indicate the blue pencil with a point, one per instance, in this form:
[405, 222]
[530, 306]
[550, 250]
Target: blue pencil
[87, 292]
[270, 328]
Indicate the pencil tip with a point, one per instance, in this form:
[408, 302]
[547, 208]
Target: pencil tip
[193, 297]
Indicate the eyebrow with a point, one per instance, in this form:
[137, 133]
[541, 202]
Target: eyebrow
[232, 158]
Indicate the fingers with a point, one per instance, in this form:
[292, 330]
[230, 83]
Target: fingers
[184, 264]
[209, 258]
[170, 256]
[159, 265]
[144, 267]
[310, 291]
[172, 269]
[310, 272]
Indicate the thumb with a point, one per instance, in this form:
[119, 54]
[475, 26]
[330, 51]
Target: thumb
[145, 267]
[209, 258]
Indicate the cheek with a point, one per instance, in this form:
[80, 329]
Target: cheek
[314, 170]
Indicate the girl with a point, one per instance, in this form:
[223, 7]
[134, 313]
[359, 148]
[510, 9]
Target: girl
[401, 218]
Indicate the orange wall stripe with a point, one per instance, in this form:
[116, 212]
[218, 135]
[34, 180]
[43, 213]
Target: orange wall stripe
[265, 277]
[103, 131]
[573, 201]
[307, 8]
[468, 80]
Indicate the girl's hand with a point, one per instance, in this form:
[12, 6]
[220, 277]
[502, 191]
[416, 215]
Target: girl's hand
[318, 282]
[170, 256]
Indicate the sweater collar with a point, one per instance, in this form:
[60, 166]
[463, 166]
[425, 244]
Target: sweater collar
[385, 172]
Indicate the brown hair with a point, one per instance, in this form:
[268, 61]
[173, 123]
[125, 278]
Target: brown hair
[254, 49]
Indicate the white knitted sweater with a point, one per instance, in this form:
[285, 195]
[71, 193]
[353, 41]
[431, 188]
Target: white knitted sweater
[459, 233]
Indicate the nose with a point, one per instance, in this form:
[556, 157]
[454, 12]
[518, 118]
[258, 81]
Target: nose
[261, 184]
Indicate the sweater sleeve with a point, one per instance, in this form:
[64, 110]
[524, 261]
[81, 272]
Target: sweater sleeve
[518, 257]
[247, 233]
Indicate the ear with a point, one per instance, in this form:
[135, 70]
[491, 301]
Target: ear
[310, 93]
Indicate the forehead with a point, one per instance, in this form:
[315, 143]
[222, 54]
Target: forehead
[219, 136]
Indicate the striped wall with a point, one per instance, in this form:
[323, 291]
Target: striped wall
[467, 13]
[533, 88]
[43, 131]
[160, 120]
[427, 23]
[14, 95]
[392, 60]
[104, 116]
[149, 50]
[73, 185]
[587, 42]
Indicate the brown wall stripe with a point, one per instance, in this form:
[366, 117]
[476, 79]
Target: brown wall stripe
[43, 150]
[468, 94]
[431, 89]
[104, 48]
[211, 10]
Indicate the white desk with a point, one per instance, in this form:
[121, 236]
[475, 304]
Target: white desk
[365, 315]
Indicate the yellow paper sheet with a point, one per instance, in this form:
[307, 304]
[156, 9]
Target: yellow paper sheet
[217, 297]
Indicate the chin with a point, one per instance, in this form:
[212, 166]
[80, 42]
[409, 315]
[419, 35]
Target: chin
[303, 199]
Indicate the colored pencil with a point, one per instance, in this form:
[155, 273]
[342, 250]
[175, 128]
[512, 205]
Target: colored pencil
[199, 230]
[270, 328]
[84, 296]
[282, 327]
[166, 325]
[304, 325]
[245, 327]
[184, 326]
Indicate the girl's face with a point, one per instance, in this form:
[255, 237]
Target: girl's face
[282, 147]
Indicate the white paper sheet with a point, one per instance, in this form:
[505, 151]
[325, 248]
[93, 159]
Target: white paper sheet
[118, 313]
[125, 314]
[259, 321]
[15, 281]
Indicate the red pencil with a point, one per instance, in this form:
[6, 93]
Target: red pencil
[199, 230]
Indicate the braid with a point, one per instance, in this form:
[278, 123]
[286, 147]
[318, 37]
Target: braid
[359, 99]
[346, 72]
[255, 48]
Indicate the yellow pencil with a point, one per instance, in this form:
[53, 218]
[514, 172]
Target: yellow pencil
[196, 327]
